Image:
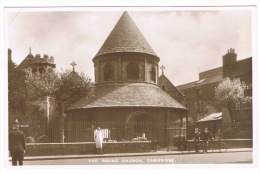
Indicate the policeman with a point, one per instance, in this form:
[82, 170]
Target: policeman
[16, 144]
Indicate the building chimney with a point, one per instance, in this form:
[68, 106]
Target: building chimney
[230, 57]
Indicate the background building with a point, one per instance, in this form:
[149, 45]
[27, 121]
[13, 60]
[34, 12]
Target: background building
[199, 96]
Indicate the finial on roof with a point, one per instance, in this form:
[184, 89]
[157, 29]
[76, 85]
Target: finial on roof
[73, 64]
[30, 50]
[162, 68]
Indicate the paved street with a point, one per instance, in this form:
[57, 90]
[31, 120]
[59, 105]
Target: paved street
[187, 158]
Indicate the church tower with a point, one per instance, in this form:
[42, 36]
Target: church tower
[37, 63]
[126, 56]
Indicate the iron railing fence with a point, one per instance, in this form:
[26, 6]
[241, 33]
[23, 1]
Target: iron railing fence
[55, 132]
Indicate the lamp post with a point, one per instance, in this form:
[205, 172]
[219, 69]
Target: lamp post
[48, 109]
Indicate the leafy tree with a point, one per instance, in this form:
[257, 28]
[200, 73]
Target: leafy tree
[228, 93]
[16, 92]
[63, 87]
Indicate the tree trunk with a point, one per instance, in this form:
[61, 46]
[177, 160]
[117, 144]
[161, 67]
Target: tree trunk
[233, 122]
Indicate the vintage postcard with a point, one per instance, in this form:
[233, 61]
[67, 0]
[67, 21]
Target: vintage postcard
[101, 87]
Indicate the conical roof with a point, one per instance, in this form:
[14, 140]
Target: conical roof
[126, 37]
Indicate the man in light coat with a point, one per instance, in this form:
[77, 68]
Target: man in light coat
[98, 137]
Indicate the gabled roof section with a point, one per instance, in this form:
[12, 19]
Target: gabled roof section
[26, 62]
[126, 37]
[163, 76]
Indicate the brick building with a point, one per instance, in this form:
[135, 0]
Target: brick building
[127, 88]
[199, 95]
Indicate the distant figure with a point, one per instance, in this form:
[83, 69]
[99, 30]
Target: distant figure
[197, 137]
[206, 137]
[219, 135]
[98, 137]
[16, 144]
[154, 145]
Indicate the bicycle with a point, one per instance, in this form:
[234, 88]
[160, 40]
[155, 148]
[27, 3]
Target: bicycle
[186, 146]
[214, 145]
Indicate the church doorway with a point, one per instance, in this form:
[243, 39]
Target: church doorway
[141, 126]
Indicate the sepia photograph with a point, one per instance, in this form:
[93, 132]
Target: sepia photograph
[101, 87]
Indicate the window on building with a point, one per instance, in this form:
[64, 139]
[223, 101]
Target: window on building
[199, 92]
[201, 106]
[41, 70]
[34, 70]
[237, 106]
[132, 71]
[153, 74]
[186, 93]
[236, 79]
[248, 90]
[187, 105]
[108, 72]
[163, 88]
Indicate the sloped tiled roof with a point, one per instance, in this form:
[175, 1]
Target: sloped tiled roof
[209, 80]
[163, 76]
[26, 62]
[128, 95]
[212, 117]
[125, 37]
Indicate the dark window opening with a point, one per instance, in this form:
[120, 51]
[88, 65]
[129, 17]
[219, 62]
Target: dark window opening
[34, 70]
[132, 71]
[108, 72]
[163, 88]
[153, 74]
[199, 92]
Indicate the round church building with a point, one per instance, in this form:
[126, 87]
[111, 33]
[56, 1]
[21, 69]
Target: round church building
[128, 103]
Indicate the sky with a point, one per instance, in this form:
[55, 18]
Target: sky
[187, 40]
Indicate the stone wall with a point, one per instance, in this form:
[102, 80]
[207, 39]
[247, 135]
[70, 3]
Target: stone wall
[52, 149]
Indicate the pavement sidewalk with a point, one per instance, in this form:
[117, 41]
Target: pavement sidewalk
[159, 152]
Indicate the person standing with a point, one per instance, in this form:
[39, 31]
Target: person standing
[219, 135]
[98, 137]
[206, 137]
[16, 144]
[197, 136]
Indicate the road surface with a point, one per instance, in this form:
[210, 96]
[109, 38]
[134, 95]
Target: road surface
[187, 158]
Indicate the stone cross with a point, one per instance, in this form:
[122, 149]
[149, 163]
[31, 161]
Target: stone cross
[162, 68]
[73, 64]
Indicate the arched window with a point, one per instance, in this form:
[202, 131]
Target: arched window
[163, 87]
[132, 71]
[153, 74]
[108, 72]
